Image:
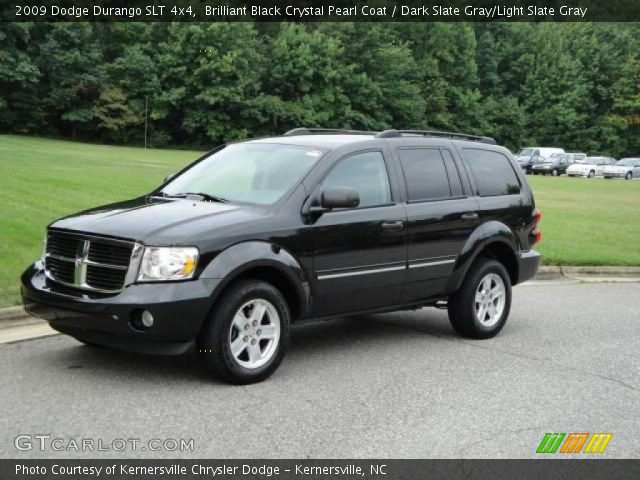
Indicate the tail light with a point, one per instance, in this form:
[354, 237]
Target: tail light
[536, 234]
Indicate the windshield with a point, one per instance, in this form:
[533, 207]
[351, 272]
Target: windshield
[592, 160]
[247, 172]
[627, 162]
[556, 157]
[525, 152]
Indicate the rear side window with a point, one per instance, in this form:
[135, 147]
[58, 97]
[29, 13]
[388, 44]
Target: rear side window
[367, 173]
[425, 174]
[493, 172]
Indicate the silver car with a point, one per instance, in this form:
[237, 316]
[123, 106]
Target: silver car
[626, 168]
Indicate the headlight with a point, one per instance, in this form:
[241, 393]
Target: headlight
[167, 263]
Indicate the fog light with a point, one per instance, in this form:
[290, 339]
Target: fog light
[147, 319]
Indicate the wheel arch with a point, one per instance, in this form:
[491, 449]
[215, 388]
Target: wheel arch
[493, 240]
[263, 261]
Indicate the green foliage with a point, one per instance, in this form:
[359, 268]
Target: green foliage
[574, 85]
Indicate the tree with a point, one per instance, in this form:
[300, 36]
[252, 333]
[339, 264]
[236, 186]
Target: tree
[113, 115]
[71, 64]
[19, 77]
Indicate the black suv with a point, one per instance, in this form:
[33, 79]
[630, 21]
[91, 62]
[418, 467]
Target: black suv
[259, 234]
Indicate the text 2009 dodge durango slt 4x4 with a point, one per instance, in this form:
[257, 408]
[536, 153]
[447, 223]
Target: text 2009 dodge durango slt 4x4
[259, 234]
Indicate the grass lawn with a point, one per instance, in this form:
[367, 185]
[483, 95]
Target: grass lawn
[585, 222]
[588, 221]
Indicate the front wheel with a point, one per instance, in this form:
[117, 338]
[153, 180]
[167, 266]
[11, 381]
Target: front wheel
[480, 307]
[555, 172]
[628, 176]
[247, 333]
[591, 174]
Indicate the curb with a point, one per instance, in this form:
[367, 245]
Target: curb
[12, 314]
[16, 316]
[587, 273]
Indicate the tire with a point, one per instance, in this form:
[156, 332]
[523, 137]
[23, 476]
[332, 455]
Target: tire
[464, 311]
[628, 176]
[555, 172]
[591, 174]
[232, 324]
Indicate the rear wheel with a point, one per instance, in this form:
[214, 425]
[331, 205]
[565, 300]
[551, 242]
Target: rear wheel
[628, 176]
[247, 334]
[479, 309]
[591, 174]
[555, 172]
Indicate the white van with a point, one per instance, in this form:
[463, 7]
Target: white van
[529, 156]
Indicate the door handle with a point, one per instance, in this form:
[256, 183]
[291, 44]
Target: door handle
[469, 216]
[393, 225]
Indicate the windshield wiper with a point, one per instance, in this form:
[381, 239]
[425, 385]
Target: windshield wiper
[204, 196]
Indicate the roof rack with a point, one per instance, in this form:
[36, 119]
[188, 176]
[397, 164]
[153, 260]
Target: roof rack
[392, 133]
[435, 133]
[311, 131]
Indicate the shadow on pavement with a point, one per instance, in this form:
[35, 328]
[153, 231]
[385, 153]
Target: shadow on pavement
[343, 335]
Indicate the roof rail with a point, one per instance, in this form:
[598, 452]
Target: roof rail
[435, 133]
[311, 131]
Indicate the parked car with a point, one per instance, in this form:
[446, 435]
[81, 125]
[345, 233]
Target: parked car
[626, 168]
[259, 234]
[530, 156]
[591, 167]
[555, 165]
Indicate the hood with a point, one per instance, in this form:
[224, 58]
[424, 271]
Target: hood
[160, 221]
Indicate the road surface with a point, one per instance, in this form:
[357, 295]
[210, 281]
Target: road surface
[391, 385]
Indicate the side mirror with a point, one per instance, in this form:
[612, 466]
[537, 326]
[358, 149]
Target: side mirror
[169, 177]
[337, 197]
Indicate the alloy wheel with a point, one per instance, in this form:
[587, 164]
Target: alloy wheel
[255, 333]
[490, 300]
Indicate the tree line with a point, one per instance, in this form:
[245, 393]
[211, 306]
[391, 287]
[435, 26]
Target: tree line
[575, 85]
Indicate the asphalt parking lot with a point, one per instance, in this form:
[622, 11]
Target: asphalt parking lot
[392, 385]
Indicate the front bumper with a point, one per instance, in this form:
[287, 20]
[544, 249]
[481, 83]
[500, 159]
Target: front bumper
[179, 310]
[528, 263]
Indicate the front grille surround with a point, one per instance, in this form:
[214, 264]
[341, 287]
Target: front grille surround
[92, 263]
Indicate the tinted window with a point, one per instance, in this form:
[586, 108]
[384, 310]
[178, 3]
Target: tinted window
[425, 174]
[493, 173]
[367, 173]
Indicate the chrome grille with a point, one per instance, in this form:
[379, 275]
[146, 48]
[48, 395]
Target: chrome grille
[89, 262]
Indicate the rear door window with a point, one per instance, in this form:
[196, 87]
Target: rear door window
[426, 174]
[492, 172]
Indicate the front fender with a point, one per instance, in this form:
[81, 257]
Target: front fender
[485, 234]
[242, 257]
